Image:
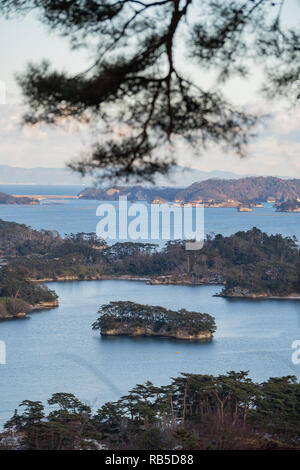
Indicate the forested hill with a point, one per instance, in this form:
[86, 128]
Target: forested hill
[138, 193]
[19, 239]
[243, 190]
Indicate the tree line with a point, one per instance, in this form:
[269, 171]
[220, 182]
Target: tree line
[250, 260]
[194, 411]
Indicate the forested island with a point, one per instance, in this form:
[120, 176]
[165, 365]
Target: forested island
[194, 411]
[213, 192]
[132, 319]
[248, 263]
[288, 206]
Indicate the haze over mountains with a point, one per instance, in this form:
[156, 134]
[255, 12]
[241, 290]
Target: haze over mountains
[40, 176]
[180, 176]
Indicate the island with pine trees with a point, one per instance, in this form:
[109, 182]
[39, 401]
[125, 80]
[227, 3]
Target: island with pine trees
[132, 319]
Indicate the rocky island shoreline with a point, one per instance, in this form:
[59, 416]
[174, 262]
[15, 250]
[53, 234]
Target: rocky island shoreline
[289, 206]
[204, 336]
[239, 293]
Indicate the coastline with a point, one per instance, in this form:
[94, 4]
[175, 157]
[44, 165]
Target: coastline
[153, 281]
[34, 308]
[45, 305]
[124, 277]
[259, 297]
[202, 337]
[17, 316]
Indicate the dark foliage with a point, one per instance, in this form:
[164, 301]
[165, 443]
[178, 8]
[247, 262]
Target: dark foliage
[15, 285]
[67, 427]
[195, 411]
[19, 239]
[254, 261]
[288, 206]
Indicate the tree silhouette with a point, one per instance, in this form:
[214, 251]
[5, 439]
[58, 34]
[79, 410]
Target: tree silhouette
[137, 83]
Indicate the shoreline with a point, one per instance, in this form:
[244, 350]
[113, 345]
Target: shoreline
[259, 297]
[201, 337]
[151, 281]
[124, 277]
[45, 305]
[34, 308]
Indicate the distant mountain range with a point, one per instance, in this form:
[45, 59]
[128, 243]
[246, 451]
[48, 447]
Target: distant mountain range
[180, 176]
[184, 176]
[41, 176]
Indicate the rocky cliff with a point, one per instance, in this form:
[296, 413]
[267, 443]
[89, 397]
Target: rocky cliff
[202, 336]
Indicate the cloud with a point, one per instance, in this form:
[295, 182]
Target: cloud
[276, 150]
[41, 145]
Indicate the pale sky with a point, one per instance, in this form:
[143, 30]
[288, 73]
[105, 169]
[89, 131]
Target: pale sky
[276, 151]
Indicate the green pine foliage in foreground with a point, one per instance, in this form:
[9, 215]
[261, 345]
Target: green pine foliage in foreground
[192, 412]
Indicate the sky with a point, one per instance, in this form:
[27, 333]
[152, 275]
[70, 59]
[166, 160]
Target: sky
[276, 150]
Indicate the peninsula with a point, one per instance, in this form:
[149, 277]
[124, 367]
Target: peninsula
[7, 199]
[19, 295]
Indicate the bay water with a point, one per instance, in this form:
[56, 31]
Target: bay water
[57, 350]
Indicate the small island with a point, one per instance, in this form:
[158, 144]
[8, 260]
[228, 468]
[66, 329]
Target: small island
[132, 319]
[288, 206]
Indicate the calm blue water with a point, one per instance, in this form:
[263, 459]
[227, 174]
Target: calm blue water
[71, 216]
[58, 351]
